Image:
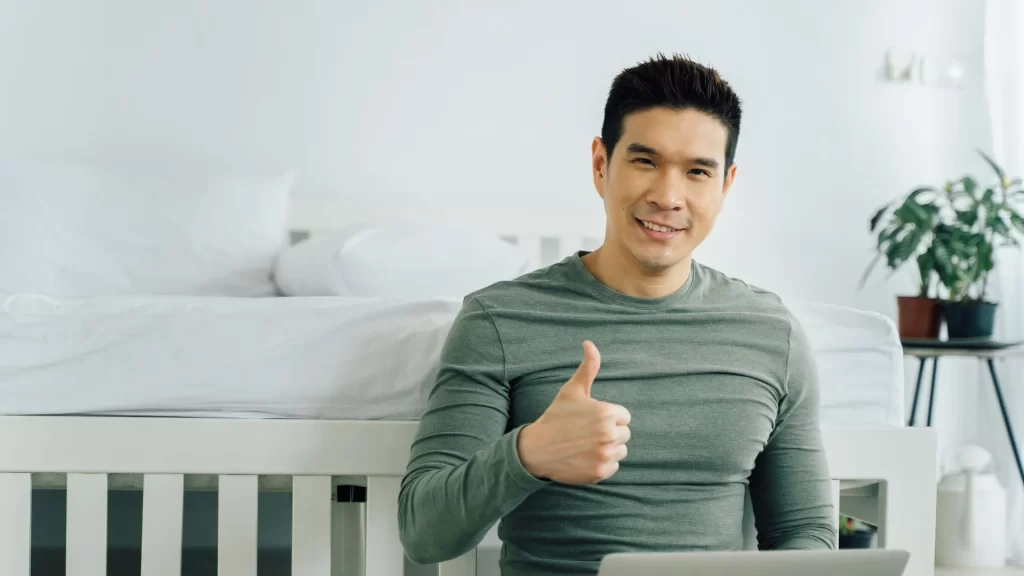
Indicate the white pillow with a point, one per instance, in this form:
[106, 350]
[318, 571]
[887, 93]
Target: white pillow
[85, 230]
[403, 260]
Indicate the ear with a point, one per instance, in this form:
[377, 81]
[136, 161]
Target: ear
[730, 176]
[599, 164]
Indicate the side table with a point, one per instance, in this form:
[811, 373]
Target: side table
[987, 350]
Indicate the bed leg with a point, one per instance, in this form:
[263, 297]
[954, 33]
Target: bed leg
[384, 553]
[907, 509]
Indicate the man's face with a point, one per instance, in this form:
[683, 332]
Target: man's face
[664, 185]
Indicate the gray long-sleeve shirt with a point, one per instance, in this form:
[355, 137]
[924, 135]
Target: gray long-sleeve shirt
[722, 389]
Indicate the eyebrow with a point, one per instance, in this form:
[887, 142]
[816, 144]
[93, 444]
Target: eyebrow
[706, 162]
[637, 148]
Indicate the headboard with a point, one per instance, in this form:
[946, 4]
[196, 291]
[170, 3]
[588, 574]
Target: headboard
[540, 250]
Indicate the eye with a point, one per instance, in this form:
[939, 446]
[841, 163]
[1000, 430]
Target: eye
[701, 172]
[646, 161]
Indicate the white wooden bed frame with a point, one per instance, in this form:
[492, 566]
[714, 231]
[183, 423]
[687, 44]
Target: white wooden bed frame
[334, 539]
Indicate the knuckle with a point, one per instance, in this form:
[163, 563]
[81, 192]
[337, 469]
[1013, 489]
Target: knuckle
[611, 453]
[606, 434]
[609, 469]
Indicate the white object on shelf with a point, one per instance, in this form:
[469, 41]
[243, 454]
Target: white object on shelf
[900, 64]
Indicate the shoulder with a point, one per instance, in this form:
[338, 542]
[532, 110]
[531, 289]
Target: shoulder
[526, 291]
[745, 297]
[716, 287]
[761, 306]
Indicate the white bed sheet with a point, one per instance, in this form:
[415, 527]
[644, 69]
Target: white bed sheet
[322, 357]
[340, 358]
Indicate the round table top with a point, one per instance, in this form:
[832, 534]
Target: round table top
[977, 347]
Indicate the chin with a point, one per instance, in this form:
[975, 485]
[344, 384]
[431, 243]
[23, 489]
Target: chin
[658, 262]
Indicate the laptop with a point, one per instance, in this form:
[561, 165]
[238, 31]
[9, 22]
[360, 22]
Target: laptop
[873, 562]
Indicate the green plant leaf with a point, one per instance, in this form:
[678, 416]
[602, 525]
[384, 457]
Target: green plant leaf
[969, 184]
[885, 236]
[967, 217]
[985, 261]
[995, 167]
[944, 264]
[986, 198]
[925, 268]
[999, 226]
[1016, 219]
[918, 191]
[910, 213]
[878, 215]
[903, 248]
[867, 272]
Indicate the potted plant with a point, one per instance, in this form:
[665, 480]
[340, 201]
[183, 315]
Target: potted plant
[905, 230]
[985, 220]
[854, 534]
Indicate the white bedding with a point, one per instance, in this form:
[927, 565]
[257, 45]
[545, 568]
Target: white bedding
[341, 358]
[860, 364]
[321, 357]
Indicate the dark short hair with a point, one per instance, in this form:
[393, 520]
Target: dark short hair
[676, 82]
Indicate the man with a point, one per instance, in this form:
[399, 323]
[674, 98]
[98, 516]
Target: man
[708, 381]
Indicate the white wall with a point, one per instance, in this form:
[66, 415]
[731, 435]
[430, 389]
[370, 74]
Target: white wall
[485, 110]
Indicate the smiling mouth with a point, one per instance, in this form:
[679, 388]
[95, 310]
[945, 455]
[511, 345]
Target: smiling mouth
[657, 227]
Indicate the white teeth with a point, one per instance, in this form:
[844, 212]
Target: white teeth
[657, 228]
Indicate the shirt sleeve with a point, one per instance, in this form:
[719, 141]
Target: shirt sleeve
[464, 472]
[790, 486]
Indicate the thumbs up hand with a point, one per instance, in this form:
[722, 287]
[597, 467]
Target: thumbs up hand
[578, 440]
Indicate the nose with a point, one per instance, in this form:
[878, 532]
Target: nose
[668, 193]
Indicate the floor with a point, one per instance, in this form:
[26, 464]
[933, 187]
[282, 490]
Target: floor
[1012, 571]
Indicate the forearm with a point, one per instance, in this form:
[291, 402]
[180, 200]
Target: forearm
[445, 509]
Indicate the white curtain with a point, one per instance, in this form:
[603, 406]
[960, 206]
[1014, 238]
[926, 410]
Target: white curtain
[1004, 78]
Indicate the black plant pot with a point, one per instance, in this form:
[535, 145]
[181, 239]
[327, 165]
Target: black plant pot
[859, 539]
[970, 319]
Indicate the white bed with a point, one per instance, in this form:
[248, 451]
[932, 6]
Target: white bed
[307, 357]
[320, 357]
[287, 386]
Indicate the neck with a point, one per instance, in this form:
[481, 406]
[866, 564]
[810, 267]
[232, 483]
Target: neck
[622, 273]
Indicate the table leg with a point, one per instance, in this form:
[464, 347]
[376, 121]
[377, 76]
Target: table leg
[1006, 417]
[917, 391]
[931, 395]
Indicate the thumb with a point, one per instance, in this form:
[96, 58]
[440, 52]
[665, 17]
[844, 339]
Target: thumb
[583, 379]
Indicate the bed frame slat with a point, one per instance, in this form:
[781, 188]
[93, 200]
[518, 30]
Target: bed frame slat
[162, 496]
[311, 526]
[836, 485]
[464, 565]
[384, 552]
[348, 539]
[15, 523]
[87, 525]
[237, 501]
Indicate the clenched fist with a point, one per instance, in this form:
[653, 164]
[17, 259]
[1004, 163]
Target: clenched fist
[578, 440]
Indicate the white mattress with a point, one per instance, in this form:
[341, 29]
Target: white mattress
[321, 357]
[341, 358]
